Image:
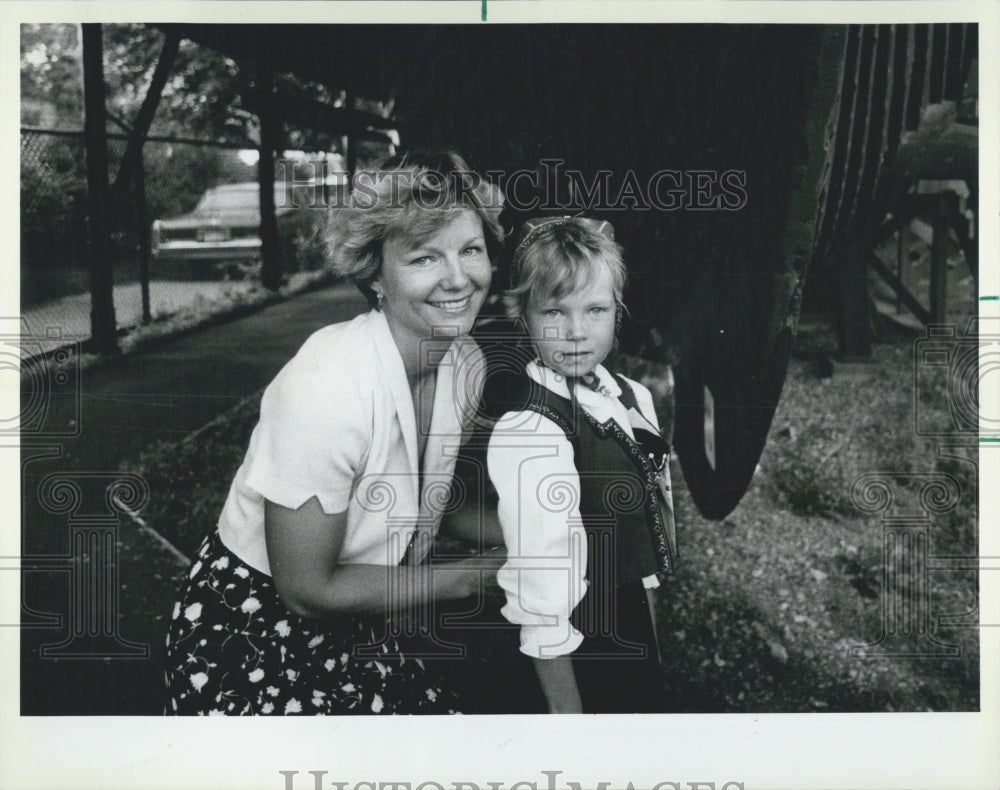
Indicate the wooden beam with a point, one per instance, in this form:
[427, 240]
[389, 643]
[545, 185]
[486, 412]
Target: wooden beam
[142, 222]
[896, 284]
[131, 160]
[144, 243]
[103, 327]
[853, 323]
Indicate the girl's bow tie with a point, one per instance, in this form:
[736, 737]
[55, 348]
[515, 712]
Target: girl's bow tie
[592, 382]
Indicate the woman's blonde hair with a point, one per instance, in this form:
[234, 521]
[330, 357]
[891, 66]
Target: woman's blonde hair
[555, 256]
[412, 195]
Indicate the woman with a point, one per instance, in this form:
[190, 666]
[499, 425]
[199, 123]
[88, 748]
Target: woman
[288, 606]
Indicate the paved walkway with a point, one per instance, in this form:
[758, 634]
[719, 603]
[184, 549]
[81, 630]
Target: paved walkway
[175, 305]
[70, 315]
[87, 429]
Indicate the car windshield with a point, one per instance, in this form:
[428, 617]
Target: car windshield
[243, 198]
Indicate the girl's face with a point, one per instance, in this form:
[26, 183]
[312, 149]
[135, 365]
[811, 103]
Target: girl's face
[436, 285]
[574, 333]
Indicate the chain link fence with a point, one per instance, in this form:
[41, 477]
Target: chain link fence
[174, 174]
[54, 230]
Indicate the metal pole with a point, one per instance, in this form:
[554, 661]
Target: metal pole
[103, 327]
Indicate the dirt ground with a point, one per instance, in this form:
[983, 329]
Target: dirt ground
[801, 600]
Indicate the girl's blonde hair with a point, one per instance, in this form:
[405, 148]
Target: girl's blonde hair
[555, 256]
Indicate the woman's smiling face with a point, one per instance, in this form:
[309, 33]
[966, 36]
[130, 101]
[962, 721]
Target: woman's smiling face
[435, 286]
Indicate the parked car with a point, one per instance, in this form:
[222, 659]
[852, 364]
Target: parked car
[222, 234]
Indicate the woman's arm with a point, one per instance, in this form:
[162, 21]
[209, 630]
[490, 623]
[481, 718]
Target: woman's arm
[303, 547]
[558, 682]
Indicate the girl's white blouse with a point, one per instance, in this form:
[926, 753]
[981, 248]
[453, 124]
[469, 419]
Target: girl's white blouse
[338, 423]
[530, 462]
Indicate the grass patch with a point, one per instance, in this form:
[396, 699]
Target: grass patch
[189, 479]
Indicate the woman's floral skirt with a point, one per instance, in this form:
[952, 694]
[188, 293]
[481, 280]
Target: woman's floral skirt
[234, 648]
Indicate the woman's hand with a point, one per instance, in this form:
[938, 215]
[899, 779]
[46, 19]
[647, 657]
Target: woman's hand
[468, 576]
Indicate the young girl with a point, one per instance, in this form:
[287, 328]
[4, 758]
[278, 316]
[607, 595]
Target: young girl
[581, 473]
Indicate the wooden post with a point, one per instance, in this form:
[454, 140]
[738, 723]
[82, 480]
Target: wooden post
[132, 159]
[143, 223]
[853, 328]
[103, 327]
[939, 264]
[900, 251]
[270, 254]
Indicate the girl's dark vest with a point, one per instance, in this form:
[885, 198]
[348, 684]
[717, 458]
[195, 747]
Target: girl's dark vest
[626, 519]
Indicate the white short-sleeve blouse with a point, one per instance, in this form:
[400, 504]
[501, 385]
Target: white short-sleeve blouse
[338, 423]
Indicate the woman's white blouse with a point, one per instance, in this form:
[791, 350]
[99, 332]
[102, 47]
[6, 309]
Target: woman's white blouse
[531, 465]
[338, 423]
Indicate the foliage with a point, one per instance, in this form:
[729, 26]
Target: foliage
[50, 74]
[302, 240]
[177, 175]
[201, 97]
[53, 221]
[200, 100]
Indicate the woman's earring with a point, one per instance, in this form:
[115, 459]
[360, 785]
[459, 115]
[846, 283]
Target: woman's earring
[618, 319]
[379, 300]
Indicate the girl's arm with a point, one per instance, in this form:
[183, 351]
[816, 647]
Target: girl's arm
[303, 547]
[531, 466]
[558, 682]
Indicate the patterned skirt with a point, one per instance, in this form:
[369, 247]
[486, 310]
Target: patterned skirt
[235, 648]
